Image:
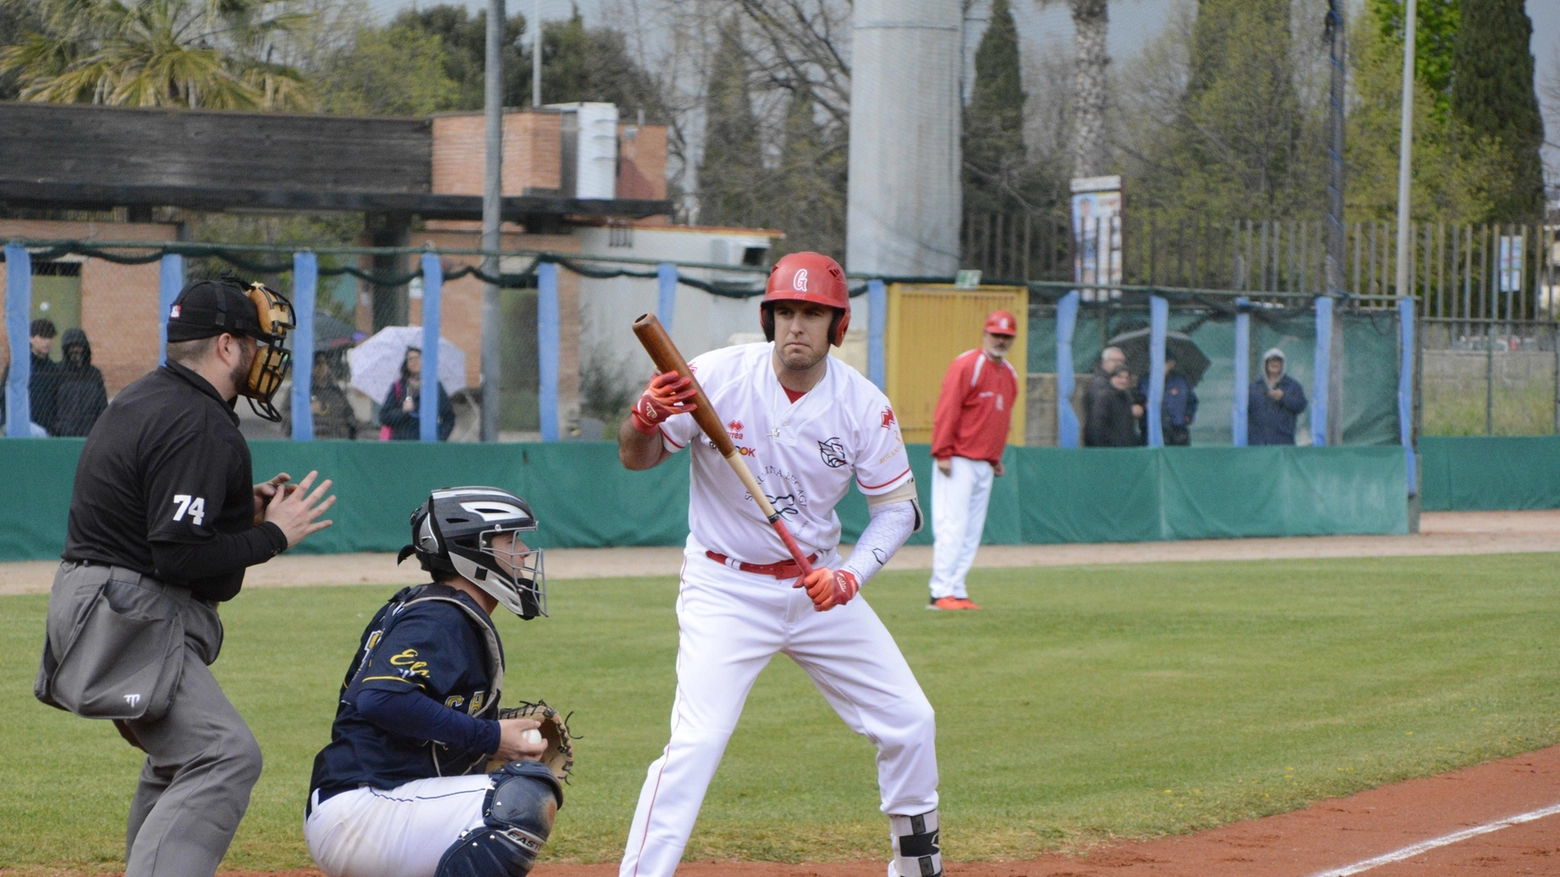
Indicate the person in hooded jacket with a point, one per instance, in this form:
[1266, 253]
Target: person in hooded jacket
[79, 394]
[1275, 402]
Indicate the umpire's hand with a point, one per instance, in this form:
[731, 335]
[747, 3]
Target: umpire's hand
[295, 511]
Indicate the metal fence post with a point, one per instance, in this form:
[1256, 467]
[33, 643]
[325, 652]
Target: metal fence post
[877, 328]
[170, 282]
[18, 307]
[1066, 418]
[432, 317]
[547, 348]
[1239, 412]
[1489, 378]
[1405, 393]
[1321, 402]
[666, 293]
[305, 277]
[1158, 324]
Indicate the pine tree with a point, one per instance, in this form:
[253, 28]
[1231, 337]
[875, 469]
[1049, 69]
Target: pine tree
[1244, 144]
[808, 187]
[731, 172]
[1493, 96]
[994, 159]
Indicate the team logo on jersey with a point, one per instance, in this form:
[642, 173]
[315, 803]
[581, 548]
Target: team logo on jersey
[734, 429]
[785, 505]
[745, 452]
[832, 452]
[888, 418]
[799, 282]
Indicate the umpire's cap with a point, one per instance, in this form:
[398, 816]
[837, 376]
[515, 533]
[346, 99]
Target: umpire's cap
[206, 308]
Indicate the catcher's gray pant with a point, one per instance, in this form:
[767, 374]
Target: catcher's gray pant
[201, 759]
[731, 623]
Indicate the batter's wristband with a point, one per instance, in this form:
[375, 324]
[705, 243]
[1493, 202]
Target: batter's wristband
[641, 425]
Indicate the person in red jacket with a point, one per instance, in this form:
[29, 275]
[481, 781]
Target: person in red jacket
[969, 431]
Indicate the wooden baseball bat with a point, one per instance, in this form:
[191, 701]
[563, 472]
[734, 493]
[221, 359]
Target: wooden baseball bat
[667, 358]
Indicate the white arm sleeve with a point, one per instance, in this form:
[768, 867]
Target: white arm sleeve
[891, 524]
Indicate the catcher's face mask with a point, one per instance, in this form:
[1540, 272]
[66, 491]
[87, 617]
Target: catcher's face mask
[272, 357]
[478, 533]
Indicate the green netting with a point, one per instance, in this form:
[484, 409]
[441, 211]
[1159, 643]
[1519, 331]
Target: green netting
[584, 498]
[1370, 361]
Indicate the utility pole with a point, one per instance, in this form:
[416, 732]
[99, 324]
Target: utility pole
[492, 214]
[1336, 34]
[1405, 151]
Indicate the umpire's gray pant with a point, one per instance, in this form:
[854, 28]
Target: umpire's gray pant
[201, 759]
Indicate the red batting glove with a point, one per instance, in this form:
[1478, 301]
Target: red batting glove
[829, 588]
[667, 394]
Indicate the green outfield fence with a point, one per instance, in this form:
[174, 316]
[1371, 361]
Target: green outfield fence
[584, 498]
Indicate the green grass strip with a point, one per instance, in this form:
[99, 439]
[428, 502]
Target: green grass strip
[1083, 703]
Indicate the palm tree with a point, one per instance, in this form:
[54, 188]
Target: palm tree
[1091, 23]
[193, 53]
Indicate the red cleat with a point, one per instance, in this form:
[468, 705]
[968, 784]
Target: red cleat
[965, 603]
[945, 603]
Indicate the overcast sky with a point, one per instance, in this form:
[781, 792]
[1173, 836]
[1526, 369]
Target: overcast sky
[1047, 26]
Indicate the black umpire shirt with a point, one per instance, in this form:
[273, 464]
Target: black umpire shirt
[164, 487]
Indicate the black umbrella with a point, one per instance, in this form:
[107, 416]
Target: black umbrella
[1189, 360]
[331, 333]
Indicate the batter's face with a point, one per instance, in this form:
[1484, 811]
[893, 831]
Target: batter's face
[801, 333]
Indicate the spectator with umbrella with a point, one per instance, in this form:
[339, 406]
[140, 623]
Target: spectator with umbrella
[1185, 364]
[400, 413]
[1178, 408]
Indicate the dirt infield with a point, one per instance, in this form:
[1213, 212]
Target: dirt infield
[1441, 533]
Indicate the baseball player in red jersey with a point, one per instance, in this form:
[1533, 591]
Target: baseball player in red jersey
[969, 431]
[811, 425]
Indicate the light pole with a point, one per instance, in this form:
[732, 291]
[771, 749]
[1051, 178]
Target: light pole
[1405, 150]
[492, 214]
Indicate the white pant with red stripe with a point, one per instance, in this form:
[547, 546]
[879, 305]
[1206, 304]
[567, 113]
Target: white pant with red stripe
[731, 623]
[959, 502]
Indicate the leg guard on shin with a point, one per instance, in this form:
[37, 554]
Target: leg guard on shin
[517, 818]
[917, 851]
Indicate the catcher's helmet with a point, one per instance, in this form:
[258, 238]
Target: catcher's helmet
[453, 533]
[810, 277]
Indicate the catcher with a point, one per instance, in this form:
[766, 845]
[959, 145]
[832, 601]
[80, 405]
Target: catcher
[424, 776]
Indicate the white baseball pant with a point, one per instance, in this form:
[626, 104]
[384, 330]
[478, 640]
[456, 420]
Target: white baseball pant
[400, 832]
[959, 504]
[731, 623]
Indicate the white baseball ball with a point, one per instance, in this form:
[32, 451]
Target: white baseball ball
[532, 736]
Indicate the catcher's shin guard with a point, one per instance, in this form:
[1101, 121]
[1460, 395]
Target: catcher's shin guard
[917, 851]
[518, 817]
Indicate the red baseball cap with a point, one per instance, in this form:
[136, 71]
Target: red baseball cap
[1001, 323]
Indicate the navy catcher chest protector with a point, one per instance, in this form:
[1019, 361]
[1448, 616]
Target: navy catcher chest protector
[517, 817]
[386, 618]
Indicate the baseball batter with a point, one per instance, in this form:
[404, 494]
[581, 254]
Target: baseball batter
[402, 789]
[810, 426]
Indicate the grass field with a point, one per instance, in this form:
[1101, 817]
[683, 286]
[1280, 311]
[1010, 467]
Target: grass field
[1085, 703]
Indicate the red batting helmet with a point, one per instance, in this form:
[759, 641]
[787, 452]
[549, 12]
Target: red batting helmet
[810, 277]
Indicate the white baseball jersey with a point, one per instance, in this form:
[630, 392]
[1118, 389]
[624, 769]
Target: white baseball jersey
[805, 454]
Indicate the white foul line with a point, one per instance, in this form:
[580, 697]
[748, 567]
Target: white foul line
[1409, 852]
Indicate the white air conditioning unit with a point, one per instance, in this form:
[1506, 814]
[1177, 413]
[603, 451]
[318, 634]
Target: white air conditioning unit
[593, 154]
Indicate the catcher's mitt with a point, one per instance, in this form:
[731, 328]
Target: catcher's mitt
[559, 756]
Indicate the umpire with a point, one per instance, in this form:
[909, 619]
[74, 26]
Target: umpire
[164, 519]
